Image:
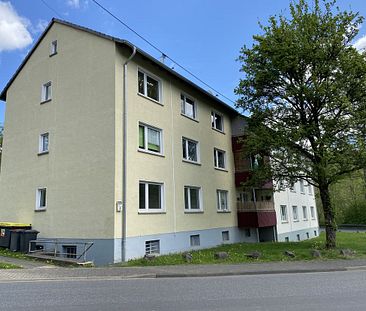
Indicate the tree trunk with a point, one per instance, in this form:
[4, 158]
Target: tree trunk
[329, 216]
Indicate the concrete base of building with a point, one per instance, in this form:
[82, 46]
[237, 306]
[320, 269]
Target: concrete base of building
[299, 235]
[109, 251]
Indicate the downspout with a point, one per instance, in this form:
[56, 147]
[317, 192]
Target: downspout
[124, 163]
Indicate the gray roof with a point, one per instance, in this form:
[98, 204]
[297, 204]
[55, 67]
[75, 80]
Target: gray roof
[117, 40]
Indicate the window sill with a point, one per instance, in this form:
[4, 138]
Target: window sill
[215, 129]
[193, 212]
[221, 169]
[53, 54]
[151, 99]
[284, 221]
[43, 209]
[188, 117]
[191, 162]
[152, 153]
[224, 212]
[45, 101]
[43, 153]
[152, 212]
[296, 220]
[305, 219]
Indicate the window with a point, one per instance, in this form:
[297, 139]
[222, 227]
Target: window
[222, 201]
[69, 251]
[151, 196]
[192, 198]
[283, 213]
[310, 189]
[219, 159]
[190, 150]
[287, 239]
[152, 247]
[188, 106]
[41, 200]
[225, 236]
[312, 212]
[53, 48]
[217, 121]
[298, 237]
[195, 240]
[304, 213]
[294, 213]
[292, 188]
[315, 233]
[46, 92]
[150, 139]
[148, 86]
[307, 235]
[43, 143]
[302, 186]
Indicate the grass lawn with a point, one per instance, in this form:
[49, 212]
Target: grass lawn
[270, 251]
[4, 265]
[7, 253]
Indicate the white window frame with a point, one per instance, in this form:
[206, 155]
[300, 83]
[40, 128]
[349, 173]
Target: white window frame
[195, 240]
[305, 213]
[302, 186]
[162, 196]
[225, 235]
[218, 201]
[146, 139]
[41, 143]
[149, 249]
[53, 48]
[293, 187]
[183, 106]
[213, 120]
[189, 209]
[284, 216]
[312, 212]
[186, 140]
[295, 212]
[216, 159]
[45, 86]
[152, 76]
[38, 198]
[310, 189]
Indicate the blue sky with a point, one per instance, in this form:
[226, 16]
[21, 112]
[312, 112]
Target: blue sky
[203, 35]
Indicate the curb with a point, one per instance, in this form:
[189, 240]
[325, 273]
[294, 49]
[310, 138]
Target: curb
[215, 274]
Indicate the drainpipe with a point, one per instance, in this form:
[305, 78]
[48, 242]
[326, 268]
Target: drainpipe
[124, 163]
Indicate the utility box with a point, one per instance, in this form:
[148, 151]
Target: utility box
[5, 231]
[25, 237]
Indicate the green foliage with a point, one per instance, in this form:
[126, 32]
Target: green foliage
[355, 213]
[304, 85]
[347, 194]
[270, 251]
[4, 265]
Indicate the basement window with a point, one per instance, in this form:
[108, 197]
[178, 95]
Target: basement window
[225, 236]
[69, 251]
[195, 240]
[152, 247]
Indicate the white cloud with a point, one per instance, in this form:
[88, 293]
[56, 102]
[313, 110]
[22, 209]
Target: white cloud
[360, 44]
[39, 27]
[13, 29]
[73, 3]
[77, 4]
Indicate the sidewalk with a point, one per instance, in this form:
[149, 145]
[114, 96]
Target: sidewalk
[58, 273]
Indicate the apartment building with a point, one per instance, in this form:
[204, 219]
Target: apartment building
[105, 144]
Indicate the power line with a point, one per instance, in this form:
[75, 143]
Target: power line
[161, 52]
[51, 8]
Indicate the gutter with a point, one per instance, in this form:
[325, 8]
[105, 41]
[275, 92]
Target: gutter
[124, 152]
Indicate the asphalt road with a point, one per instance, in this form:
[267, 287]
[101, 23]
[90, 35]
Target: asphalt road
[310, 291]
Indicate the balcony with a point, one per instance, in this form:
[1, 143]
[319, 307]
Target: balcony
[257, 214]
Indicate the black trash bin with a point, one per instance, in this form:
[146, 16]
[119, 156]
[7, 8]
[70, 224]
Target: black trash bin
[5, 231]
[25, 237]
[15, 239]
